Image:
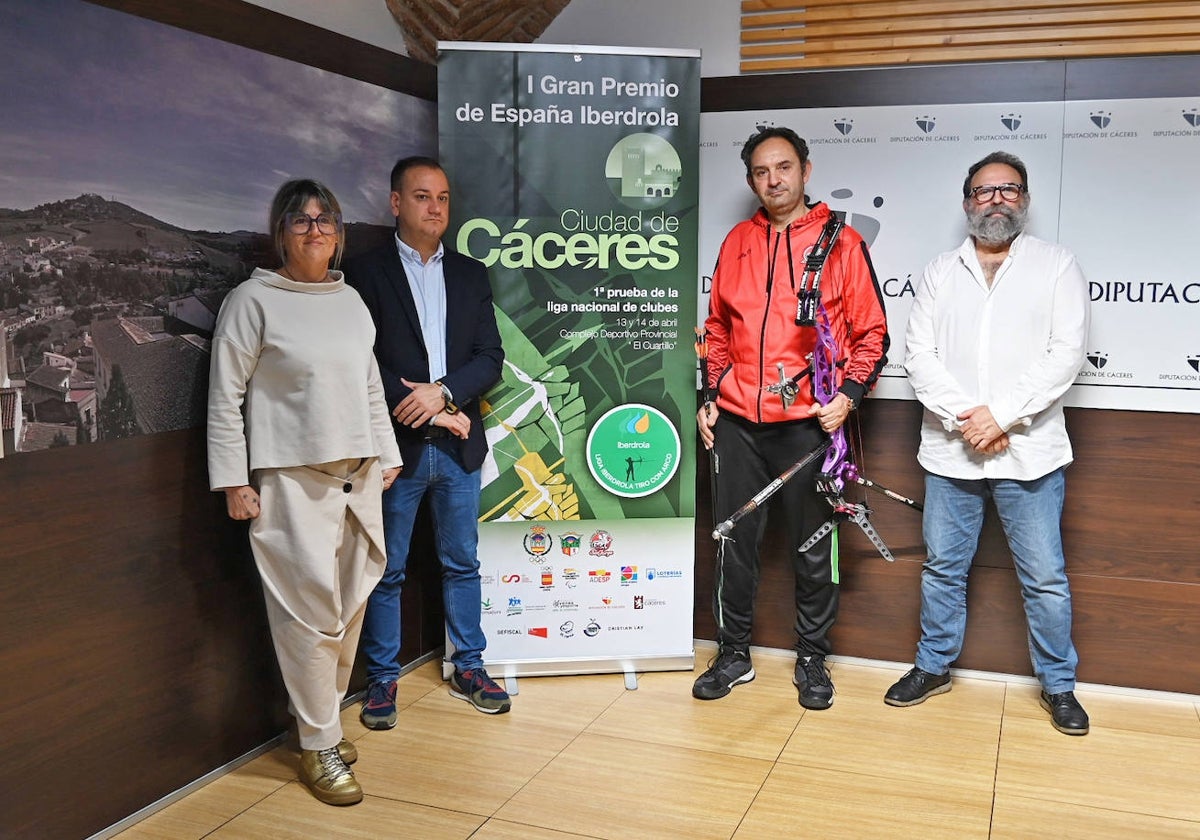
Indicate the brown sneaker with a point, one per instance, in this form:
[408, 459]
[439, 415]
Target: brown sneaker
[327, 776]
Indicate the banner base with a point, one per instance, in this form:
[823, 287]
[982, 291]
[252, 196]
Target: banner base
[629, 666]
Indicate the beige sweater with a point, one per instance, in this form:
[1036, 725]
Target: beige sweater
[294, 380]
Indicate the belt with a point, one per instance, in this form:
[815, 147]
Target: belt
[436, 433]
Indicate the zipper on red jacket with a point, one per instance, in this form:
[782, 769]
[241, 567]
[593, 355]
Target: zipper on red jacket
[772, 258]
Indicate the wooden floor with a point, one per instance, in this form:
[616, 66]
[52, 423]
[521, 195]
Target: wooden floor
[582, 757]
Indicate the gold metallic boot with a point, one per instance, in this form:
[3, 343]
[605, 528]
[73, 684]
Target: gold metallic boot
[328, 777]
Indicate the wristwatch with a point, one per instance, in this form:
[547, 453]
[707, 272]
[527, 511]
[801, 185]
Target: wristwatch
[451, 408]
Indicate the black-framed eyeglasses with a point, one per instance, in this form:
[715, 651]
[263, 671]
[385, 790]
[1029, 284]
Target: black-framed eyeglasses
[301, 223]
[1009, 192]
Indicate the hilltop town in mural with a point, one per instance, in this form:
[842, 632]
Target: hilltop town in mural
[107, 314]
[139, 164]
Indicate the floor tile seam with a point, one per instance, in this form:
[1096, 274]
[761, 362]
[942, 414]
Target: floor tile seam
[795, 729]
[442, 809]
[557, 754]
[424, 696]
[534, 825]
[973, 718]
[416, 700]
[1090, 806]
[704, 750]
[243, 811]
[257, 803]
[996, 765]
[368, 794]
[757, 793]
[614, 701]
[888, 777]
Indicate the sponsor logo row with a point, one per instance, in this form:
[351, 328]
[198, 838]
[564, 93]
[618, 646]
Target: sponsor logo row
[516, 605]
[1098, 368]
[569, 629]
[539, 542]
[548, 578]
[1094, 125]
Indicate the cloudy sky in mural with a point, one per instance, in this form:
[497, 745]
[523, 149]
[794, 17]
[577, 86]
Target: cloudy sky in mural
[194, 131]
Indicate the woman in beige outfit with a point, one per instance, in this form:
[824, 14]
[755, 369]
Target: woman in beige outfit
[300, 441]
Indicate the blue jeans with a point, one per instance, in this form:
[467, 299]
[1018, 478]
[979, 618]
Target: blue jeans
[1030, 512]
[454, 501]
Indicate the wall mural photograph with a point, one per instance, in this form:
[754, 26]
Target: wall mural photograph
[136, 171]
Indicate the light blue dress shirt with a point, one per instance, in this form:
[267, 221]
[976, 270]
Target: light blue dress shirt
[428, 284]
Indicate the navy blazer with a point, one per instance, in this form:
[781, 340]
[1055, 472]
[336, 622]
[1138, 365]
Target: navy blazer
[473, 352]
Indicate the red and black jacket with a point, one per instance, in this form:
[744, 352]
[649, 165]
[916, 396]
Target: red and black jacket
[752, 317]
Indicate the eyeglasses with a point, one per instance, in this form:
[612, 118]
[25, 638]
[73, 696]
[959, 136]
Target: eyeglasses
[984, 194]
[301, 223]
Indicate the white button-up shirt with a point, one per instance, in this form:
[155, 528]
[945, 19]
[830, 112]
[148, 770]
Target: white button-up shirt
[1015, 346]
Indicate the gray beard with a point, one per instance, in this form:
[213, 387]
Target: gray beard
[997, 230]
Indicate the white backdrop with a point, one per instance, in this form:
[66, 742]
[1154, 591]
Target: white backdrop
[1114, 181]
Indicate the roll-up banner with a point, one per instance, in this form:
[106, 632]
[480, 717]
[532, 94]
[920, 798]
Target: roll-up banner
[574, 173]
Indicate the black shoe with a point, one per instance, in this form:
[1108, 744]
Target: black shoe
[812, 678]
[1066, 714]
[730, 668]
[915, 687]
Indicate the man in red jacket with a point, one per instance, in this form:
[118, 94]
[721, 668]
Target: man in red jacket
[757, 429]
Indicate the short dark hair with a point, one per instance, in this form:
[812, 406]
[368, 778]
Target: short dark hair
[412, 162]
[291, 198]
[997, 157]
[756, 139]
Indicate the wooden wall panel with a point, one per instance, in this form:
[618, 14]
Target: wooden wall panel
[792, 35]
[135, 634]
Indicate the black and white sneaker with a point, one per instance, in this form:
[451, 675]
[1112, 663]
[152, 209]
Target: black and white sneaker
[812, 678]
[730, 668]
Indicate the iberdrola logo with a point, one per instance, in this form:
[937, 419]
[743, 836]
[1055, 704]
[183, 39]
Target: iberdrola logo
[633, 450]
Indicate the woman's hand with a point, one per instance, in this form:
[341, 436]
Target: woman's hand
[389, 476]
[242, 502]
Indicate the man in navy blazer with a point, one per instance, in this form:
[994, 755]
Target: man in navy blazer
[439, 349]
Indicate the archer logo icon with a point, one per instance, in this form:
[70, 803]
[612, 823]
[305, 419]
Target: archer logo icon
[865, 223]
[1097, 359]
[1194, 363]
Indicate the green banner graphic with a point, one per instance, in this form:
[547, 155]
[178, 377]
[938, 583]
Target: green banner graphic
[575, 179]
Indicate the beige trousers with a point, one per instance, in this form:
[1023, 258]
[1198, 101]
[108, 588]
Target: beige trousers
[318, 544]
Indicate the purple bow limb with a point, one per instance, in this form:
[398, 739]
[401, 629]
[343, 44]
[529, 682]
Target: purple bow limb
[824, 390]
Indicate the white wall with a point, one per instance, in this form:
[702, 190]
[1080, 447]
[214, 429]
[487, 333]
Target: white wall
[708, 25]
[711, 26]
[364, 20]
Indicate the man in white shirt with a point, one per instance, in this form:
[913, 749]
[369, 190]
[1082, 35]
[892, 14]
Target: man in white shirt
[995, 338]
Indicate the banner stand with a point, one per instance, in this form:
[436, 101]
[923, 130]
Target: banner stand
[575, 178]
